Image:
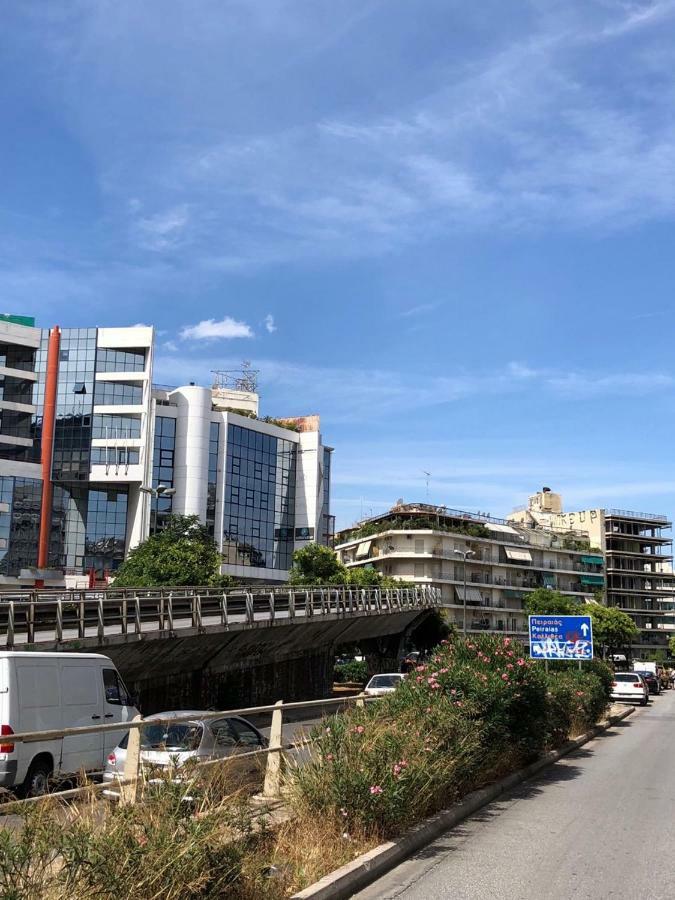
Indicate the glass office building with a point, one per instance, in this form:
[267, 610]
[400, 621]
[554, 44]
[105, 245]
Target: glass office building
[94, 459]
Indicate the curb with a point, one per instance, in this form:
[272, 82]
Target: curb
[346, 881]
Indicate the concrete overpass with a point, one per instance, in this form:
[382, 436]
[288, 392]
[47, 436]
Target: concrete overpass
[202, 647]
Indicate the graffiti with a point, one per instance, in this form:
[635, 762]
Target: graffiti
[557, 649]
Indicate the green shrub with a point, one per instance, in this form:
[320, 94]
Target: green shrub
[354, 671]
[477, 710]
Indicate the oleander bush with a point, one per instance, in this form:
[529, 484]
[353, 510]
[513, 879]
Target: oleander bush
[477, 710]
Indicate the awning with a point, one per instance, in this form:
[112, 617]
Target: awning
[593, 560]
[363, 549]
[473, 595]
[518, 555]
[505, 529]
[596, 580]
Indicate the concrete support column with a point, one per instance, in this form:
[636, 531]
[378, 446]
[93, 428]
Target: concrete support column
[191, 463]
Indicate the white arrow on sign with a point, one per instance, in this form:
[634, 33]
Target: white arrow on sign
[584, 629]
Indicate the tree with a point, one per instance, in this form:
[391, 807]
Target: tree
[182, 553]
[671, 645]
[317, 565]
[544, 601]
[613, 630]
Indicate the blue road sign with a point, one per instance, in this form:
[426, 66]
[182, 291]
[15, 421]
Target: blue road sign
[561, 637]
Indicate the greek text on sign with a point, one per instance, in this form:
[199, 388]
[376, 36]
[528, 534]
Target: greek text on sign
[561, 637]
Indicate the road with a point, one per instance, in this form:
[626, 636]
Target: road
[599, 824]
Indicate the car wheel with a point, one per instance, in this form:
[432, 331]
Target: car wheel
[644, 701]
[36, 783]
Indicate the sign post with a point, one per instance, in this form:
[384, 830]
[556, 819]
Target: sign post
[561, 637]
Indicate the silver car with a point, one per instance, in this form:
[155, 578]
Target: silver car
[167, 744]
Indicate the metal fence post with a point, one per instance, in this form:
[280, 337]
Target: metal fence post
[59, 619]
[129, 792]
[291, 604]
[272, 606]
[250, 614]
[272, 786]
[223, 611]
[101, 620]
[10, 625]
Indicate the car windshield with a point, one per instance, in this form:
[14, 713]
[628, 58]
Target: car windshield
[181, 736]
[645, 674]
[626, 677]
[384, 681]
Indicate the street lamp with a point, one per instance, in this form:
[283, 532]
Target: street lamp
[160, 491]
[464, 554]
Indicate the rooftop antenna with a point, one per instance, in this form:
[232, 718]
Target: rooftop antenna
[428, 476]
[244, 379]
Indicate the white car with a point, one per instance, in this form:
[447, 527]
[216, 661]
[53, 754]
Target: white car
[630, 686]
[383, 684]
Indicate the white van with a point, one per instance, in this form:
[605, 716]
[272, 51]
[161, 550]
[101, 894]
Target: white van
[45, 691]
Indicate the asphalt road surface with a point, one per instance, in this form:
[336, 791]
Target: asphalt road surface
[599, 824]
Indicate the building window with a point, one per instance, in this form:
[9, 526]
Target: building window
[74, 406]
[163, 468]
[115, 456]
[118, 393]
[120, 360]
[260, 485]
[214, 442]
[20, 500]
[114, 427]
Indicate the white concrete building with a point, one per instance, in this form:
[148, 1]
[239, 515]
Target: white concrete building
[427, 544]
[93, 458]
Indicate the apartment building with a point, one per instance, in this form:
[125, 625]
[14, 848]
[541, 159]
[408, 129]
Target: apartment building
[427, 544]
[93, 457]
[639, 560]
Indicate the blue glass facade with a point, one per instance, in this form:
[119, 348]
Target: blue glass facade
[214, 445]
[20, 500]
[163, 461]
[74, 405]
[259, 515]
[88, 528]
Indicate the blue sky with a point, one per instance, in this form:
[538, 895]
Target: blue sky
[445, 226]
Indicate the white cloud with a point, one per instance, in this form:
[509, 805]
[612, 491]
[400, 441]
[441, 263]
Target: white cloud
[163, 230]
[418, 310]
[209, 330]
[269, 323]
[171, 346]
[348, 395]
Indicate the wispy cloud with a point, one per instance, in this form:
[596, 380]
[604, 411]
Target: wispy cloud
[419, 310]
[348, 395]
[270, 327]
[164, 230]
[210, 330]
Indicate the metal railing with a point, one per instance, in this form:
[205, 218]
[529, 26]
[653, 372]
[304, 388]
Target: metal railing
[55, 617]
[630, 514]
[130, 782]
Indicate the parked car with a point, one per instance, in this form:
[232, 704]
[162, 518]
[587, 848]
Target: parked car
[167, 743]
[53, 691]
[630, 686]
[383, 684]
[652, 681]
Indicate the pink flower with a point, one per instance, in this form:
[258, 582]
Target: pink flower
[375, 789]
[580, 693]
[505, 677]
[509, 666]
[486, 659]
[419, 679]
[453, 693]
[421, 669]
[521, 662]
[397, 769]
[359, 729]
[344, 812]
[507, 642]
[510, 653]
[329, 757]
[458, 703]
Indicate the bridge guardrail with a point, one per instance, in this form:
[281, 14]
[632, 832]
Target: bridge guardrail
[129, 784]
[77, 615]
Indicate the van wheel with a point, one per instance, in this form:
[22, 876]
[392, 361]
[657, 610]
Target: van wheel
[37, 780]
